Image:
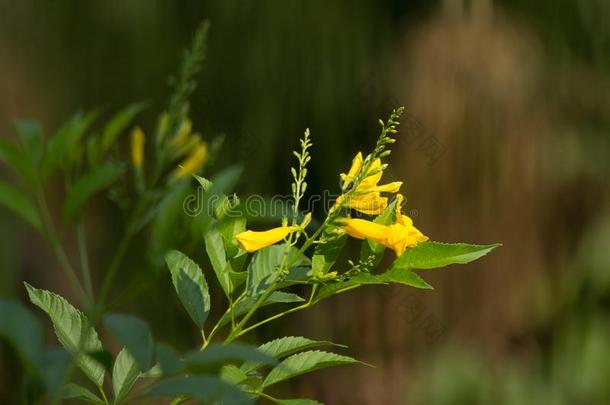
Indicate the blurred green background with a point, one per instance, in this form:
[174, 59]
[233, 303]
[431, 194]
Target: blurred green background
[506, 138]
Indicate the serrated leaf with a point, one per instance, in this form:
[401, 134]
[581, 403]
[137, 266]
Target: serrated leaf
[214, 247]
[91, 183]
[124, 374]
[283, 347]
[16, 201]
[213, 357]
[325, 254]
[72, 330]
[276, 297]
[75, 391]
[17, 160]
[305, 362]
[30, 133]
[208, 388]
[118, 123]
[232, 374]
[21, 329]
[262, 270]
[394, 275]
[190, 285]
[133, 333]
[430, 255]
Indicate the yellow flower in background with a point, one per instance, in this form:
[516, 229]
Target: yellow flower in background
[367, 196]
[397, 236]
[137, 147]
[251, 241]
[193, 162]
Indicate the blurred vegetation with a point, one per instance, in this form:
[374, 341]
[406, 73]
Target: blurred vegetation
[513, 92]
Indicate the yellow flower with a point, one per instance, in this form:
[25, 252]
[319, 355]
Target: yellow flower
[397, 236]
[137, 147]
[367, 196]
[193, 162]
[251, 241]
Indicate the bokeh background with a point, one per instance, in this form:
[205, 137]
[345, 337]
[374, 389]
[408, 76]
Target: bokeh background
[505, 139]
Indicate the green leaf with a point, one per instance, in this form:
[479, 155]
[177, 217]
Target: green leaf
[372, 248]
[72, 329]
[330, 289]
[394, 275]
[430, 255]
[168, 359]
[53, 366]
[118, 123]
[276, 297]
[214, 247]
[21, 329]
[232, 374]
[283, 347]
[297, 402]
[215, 192]
[92, 182]
[135, 335]
[262, 270]
[15, 158]
[168, 214]
[325, 254]
[64, 142]
[213, 357]
[190, 285]
[124, 374]
[208, 388]
[305, 362]
[75, 391]
[15, 200]
[32, 139]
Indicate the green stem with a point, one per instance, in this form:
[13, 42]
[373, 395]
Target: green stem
[309, 303]
[117, 260]
[84, 259]
[58, 249]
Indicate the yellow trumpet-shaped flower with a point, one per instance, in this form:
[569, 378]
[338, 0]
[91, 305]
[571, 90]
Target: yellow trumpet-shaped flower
[137, 147]
[397, 236]
[251, 241]
[367, 196]
[193, 162]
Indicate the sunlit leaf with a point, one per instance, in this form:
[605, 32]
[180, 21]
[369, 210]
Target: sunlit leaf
[263, 269]
[283, 347]
[305, 362]
[214, 247]
[75, 391]
[430, 255]
[124, 374]
[72, 329]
